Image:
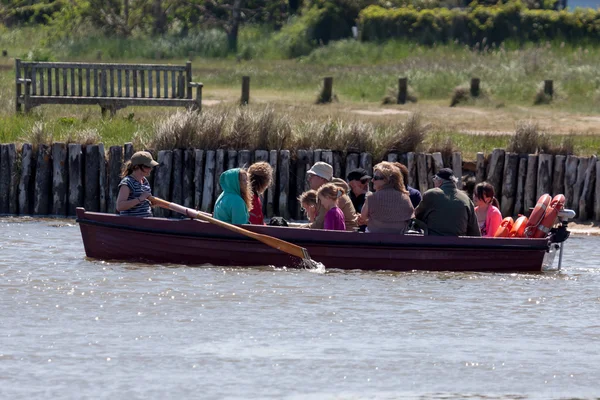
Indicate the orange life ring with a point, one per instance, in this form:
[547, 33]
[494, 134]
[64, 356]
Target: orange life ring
[537, 215]
[556, 205]
[504, 228]
[518, 228]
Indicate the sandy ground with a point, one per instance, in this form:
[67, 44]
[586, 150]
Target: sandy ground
[586, 229]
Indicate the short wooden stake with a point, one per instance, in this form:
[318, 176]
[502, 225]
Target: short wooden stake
[402, 90]
[475, 87]
[245, 90]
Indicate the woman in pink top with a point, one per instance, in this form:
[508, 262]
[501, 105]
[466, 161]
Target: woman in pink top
[328, 197]
[489, 216]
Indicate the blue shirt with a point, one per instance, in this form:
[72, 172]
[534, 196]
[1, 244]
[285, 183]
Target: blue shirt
[415, 196]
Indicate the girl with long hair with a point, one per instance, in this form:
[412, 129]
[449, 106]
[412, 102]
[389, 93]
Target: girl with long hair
[487, 210]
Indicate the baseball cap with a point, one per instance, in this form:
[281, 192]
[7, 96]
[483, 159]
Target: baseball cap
[358, 174]
[143, 158]
[445, 173]
[321, 169]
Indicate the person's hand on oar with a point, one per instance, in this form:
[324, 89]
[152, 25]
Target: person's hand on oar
[276, 243]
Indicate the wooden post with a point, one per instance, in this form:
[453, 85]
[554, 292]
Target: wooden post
[162, 181]
[271, 193]
[548, 88]
[438, 162]
[402, 90]
[209, 181]
[338, 172]
[91, 196]
[429, 161]
[6, 171]
[457, 167]
[176, 183]
[115, 164]
[558, 177]
[392, 157]
[43, 176]
[597, 193]
[366, 162]
[586, 201]
[244, 158]
[284, 183]
[219, 169]
[316, 156]
[327, 157]
[571, 167]
[231, 159]
[544, 178]
[412, 169]
[198, 178]
[530, 183]
[59, 179]
[127, 151]
[76, 192]
[26, 180]
[578, 187]
[102, 180]
[423, 178]
[403, 158]
[327, 93]
[480, 168]
[475, 87]
[301, 163]
[245, 90]
[496, 170]
[352, 160]
[509, 184]
[19, 86]
[520, 198]
[188, 188]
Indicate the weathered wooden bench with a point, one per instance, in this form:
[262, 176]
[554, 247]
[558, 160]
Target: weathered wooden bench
[94, 83]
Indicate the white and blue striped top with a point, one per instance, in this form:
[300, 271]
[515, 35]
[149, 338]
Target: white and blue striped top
[135, 190]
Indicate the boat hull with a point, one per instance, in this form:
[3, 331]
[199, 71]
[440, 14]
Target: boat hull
[192, 242]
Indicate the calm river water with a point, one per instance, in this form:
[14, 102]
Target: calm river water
[78, 328]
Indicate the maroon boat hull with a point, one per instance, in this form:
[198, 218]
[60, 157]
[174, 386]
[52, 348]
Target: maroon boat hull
[192, 242]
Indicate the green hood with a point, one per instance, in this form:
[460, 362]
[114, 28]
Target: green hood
[230, 181]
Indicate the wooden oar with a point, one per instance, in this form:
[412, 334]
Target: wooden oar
[278, 244]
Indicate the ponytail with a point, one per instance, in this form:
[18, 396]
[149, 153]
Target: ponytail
[495, 202]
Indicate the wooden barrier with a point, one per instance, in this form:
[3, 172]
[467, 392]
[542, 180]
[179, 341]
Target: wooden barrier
[209, 182]
[586, 201]
[76, 177]
[495, 171]
[26, 180]
[189, 167]
[558, 177]
[8, 179]
[571, 167]
[59, 179]
[162, 181]
[530, 183]
[544, 174]
[177, 177]
[198, 178]
[115, 164]
[520, 195]
[509, 184]
[284, 183]
[480, 168]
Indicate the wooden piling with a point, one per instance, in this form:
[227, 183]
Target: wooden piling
[244, 158]
[91, 197]
[475, 87]
[188, 186]
[26, 180]
[597, 193]
[198, 178]
[422, 177]
[520, 196]
[162, 180]
[272, 192]
[392, 157]
[366, 162]
[245, 90]
[301, 163]
[209, 181]
[284, 183]
[530, 199]
[59, 179]
[457, 167]
[176, 183]
[578, 187]
[231, 159]
[327, 157]
[43, 178]
[338, 171]
[412, 169]
[8, 194]
[548, 88]
[429, 159]
[115, 164]
[76, 190]
[544, 178]
[219, 169]
[263, 155]
[402, 90]
[558, 177]
[127, 151]
[571, 167]
[509, 184]
[438, 162]
[496, 170]
[352, 161]
[317, 156]
[586, 201]
[480, 168]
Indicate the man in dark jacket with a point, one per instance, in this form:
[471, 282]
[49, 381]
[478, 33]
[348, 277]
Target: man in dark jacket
[446, 210]
[358, 180]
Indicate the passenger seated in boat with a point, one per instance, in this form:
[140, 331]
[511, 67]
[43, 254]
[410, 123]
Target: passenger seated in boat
[414, 194]
[329, 196]
[487, 210]
[320, 174]
[388, 209]
[234, 203]
[358, 180]
[261, 177]
[446, 210]
[308, 202]
[134, 188]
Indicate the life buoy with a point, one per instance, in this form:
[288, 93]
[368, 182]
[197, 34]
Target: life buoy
[537, 215]
[518, 229]
[504, 228]
[556, 205]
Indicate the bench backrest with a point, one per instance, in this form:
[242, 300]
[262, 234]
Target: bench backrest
[106, 80]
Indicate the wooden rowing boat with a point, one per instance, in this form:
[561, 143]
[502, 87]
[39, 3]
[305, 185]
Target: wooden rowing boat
[192, 242]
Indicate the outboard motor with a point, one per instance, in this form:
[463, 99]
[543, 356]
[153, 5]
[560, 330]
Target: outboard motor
[558, 235]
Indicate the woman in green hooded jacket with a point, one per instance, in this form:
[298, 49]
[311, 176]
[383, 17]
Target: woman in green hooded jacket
[234, 204]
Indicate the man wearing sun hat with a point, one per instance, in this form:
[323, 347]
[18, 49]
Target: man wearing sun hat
[320, 174]
[446, 210]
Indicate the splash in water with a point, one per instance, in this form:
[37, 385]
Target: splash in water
[313, 266]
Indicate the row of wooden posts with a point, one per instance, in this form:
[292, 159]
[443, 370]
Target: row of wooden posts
[402, 97]
[55, 179]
